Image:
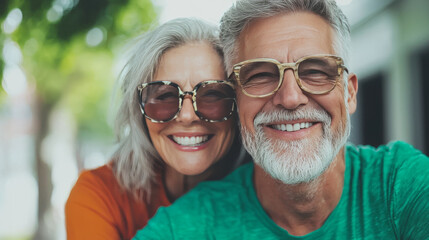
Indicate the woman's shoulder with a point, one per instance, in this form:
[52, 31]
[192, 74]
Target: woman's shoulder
[98, 197]
[95, 186]
[102, 182]
[102, 175]
[99, 172]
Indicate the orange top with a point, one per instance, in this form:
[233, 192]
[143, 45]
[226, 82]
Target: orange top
[98, 208]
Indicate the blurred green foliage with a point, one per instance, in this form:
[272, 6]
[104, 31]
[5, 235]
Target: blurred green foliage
[68, 71]
[60, 63]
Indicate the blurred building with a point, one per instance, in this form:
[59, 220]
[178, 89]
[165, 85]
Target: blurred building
[390, 54]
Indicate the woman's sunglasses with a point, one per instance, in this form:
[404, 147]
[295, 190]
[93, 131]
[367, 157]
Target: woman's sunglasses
[161, 101]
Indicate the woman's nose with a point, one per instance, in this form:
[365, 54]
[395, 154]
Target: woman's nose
[187, 114]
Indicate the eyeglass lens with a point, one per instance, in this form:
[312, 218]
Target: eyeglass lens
[213, 101]
[317, 74]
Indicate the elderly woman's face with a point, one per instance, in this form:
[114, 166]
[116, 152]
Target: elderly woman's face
[187, 143]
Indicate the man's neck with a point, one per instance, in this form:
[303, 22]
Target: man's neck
[301, 208]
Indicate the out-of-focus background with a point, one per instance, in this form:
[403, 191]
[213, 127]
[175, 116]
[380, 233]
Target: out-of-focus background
[60, 58]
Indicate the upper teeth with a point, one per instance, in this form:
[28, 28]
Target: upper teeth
[292, 127]
[190, 141]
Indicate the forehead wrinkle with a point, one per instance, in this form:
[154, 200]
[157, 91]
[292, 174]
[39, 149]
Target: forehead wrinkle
[292, 33]
[291, 36]
[253, 40]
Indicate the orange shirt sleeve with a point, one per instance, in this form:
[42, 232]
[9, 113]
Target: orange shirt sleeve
[98, 208]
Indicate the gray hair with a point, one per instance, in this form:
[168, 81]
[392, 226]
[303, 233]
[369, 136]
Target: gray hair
[235, 20]
[135, 161]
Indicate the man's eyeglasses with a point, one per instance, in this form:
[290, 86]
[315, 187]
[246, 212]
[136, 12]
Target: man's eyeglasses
[161, 101]
[262, 77]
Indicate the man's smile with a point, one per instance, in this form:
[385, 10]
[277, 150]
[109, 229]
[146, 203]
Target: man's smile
[292, 127]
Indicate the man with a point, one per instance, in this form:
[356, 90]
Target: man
[294, 96]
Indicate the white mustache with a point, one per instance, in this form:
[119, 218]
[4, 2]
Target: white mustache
[306, 113]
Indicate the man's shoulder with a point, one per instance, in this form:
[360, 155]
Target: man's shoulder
[393, 163]
[237, 181]
[238, 177]
[212, 203]
[395, 152]
[216, 194]
[395, 177]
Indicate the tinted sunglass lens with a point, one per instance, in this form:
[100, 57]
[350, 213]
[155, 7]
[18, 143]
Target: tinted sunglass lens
[215, 101]
[160, 101]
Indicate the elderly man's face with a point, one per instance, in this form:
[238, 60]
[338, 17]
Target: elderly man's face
[296, 153]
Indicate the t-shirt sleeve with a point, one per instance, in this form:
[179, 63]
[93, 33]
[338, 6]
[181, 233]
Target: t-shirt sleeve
[411, 194]
[158, 227]
[87, 211]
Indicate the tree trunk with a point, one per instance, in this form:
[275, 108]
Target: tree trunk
[43, 170]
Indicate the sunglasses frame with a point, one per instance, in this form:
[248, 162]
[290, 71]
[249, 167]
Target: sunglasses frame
[294, 66]
[182, 95]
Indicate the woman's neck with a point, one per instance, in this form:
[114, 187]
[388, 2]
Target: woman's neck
[176, 184]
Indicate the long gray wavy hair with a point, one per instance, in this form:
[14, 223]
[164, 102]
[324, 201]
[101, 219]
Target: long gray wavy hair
[235, 20]
[135, 161]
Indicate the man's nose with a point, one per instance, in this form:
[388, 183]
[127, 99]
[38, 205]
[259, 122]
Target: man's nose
[289, 95]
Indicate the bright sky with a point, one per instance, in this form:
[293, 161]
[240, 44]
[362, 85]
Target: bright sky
[210, 10]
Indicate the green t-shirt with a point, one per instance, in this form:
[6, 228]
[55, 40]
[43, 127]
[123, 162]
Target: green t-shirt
[385, 196]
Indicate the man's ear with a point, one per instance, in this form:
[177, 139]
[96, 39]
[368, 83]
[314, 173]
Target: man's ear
[352, 88]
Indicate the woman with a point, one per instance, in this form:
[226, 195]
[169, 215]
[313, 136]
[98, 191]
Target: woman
[176, 126]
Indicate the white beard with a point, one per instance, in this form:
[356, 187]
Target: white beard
[297, 161]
